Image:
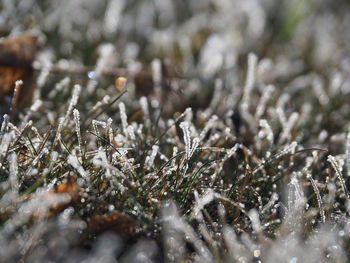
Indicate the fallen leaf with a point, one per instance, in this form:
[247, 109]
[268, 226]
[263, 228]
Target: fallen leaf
[69, 187]
[16, 57]
[117, 222]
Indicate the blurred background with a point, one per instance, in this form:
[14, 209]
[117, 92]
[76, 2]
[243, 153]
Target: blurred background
[223, 30]
[201, 38]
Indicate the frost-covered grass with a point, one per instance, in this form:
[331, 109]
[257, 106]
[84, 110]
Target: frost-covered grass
[234, 146]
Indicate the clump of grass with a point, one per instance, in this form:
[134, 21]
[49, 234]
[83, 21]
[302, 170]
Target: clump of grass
[241, 157]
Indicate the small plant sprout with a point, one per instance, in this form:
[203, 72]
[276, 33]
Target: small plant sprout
[145, 110]
[265, 97]
[331, 159]
[150, 158]
[73, 102]
[76, 115]
[123, 118]
[16, 97]
[347, 153]
[318, 196]
[113, 15]
[250, 79]
[74, 162]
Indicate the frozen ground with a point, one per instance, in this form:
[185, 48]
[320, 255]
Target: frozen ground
[227, 141]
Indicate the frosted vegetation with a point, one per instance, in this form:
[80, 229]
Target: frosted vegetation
[243, 156]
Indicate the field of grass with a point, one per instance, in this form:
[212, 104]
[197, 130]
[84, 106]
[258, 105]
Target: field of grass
[177, 131]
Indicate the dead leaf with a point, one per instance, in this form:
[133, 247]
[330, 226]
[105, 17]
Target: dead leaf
[70, 187]
[16, 57]
[117, 222]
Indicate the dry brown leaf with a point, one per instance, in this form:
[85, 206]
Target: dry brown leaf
[117, 222]
[70, 187]
[16, 58]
